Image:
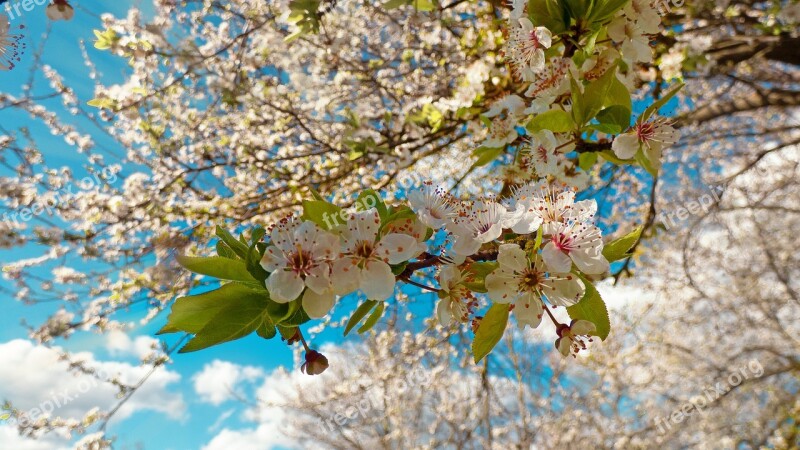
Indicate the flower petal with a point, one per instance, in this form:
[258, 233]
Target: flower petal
[318, 278]
[564, 345]
[284, 286]
[377, 280]
[449, 276]
[344, 276]
[364, 225]
[529, 312]
[590, 262]
[625, 146]
[564, 292]
[502, 286]
[582, 327]
[317, 305]
[511, 256]
[466, 246]
[397, 248]
[443, 313]
[555, 259]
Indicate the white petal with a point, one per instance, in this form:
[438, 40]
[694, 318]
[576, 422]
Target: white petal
[466, 246]
[653, 153]
[582, 327]
[273, 259]
[377, 280]
[526, 24]
[512, 257]
[529, 313]
[564, 345]
[317, 305]
[326, 246]
[449, 276]
[494, 232]
[344, 276]
[502, 286]
[443, 312]
[616, 30]
[397, 247]
[284, 286]
[319, 279]
[529, 223]
[537, 61]
[564, 292]
[555, 259]
[625, 146]
[544, 36]
[590, 262]
[364, 225]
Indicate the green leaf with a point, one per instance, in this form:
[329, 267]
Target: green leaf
[618, 249]
[257, 234]
[102, 103]
[397, 215]
[645, 162]
[193, 312]
[539, 237]
[547, 13]
[237, 247]
[371, 199]
[486, 155]
[217, 267]
[555, 120]
[609, 156]
[373, 318]
[577, 8]
[490, 331]
[481, 269]
[359, 314]
[393, 4]
[577, 103]
[607, 128]
[267, 330]
[592, 308]
[224, 251]
[225, 314]
[424, 5]
[229, 324]
[322, 213]
[618, 115]
[596, 93]
[286, 332]
[397, 269]
[296, 315]
[587, 160]
[618, 94]
[604, 9]
[652, 109]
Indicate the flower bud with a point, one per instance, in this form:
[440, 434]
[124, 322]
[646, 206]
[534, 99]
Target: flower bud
[315, 364]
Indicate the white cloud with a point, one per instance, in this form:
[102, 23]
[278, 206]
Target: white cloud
[10, 439]
[350, 388]
[218, 380]
[265, 437]
[118, 343]
[34, 378]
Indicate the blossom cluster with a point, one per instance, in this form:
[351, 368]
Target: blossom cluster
[557, 73]
[367, 253]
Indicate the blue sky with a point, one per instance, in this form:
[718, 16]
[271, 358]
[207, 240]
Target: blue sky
[143, 429]
[202, 419]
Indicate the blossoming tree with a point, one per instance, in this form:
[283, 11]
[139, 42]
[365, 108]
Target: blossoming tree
[277, 121]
